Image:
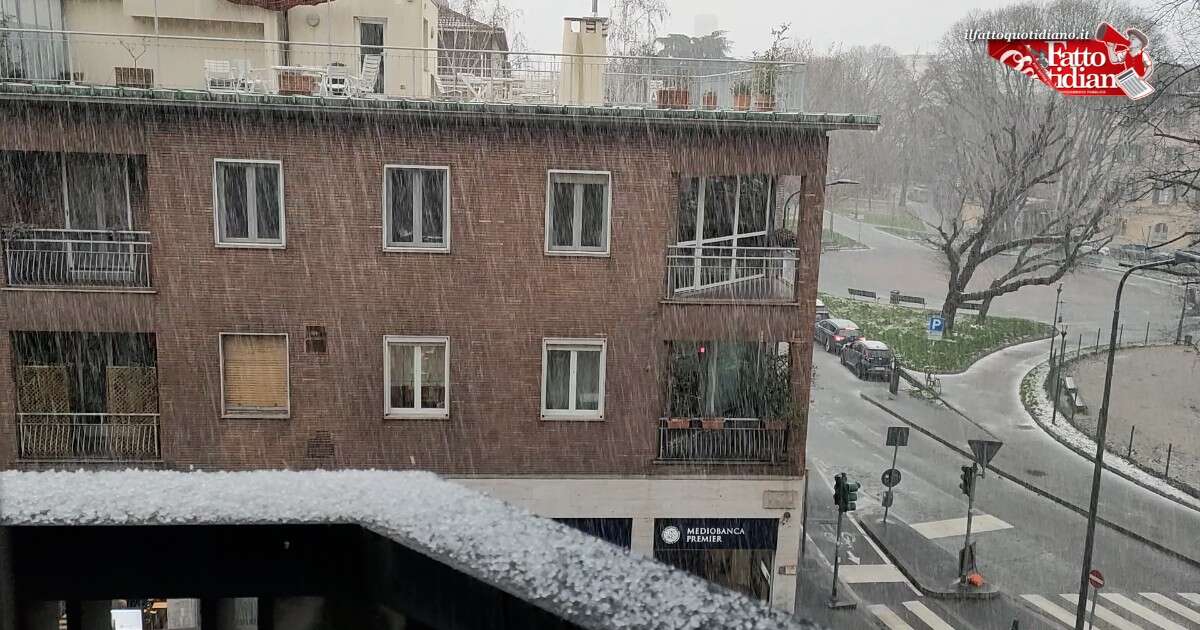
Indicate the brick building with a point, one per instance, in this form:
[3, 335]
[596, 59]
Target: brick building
[600, 314]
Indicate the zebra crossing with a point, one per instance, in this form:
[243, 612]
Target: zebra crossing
[1126, 611]
[1114, 611]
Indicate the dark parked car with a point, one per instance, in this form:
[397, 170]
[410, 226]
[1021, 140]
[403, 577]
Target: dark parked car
[868, 358]
[834, 334]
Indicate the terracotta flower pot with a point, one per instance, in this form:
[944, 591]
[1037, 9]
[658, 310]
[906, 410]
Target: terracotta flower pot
[713, 423]
[674, 98]
[679, 423]
[741, 101]
[764, 103]
[709, 100]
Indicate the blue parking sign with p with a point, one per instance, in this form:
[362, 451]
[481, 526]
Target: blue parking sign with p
[935, 327]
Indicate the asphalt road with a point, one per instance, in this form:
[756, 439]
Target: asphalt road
[897, 263]
[1038, 554]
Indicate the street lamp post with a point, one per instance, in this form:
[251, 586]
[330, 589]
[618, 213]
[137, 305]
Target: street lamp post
[1179, 257]
[1054, 321]
[836, 182]
[1057, 371]
[1182, 312]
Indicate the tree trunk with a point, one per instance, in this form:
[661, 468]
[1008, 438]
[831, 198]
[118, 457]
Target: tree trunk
[984, 307]
[949, 310]
[903, 201]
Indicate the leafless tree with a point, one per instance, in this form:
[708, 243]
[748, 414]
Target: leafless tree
[634, 25]
[1029, 179]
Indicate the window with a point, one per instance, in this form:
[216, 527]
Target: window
[573, 379]
[248, 203]
[416, 377]
[315, 340]
[370, 39]
[254, 375]
[1160, 228]
[577, 212]
[416, 207]
[730, 379]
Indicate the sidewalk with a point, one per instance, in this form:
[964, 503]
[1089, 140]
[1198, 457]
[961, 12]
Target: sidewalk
[988, 394]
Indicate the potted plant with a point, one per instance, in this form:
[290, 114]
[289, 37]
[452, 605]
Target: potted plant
[675, 93]
[766, 73]
[709, 100]
[741, 94]
[679, 423]
[712, 423]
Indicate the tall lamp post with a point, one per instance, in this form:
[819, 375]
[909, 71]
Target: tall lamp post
[1054, 321]
[836, 182]
[1179, 257]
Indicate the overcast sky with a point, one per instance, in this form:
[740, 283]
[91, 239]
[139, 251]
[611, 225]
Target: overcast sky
[907, 27]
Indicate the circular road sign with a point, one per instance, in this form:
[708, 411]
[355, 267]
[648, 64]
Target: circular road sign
[1095, 578]
[890, 478]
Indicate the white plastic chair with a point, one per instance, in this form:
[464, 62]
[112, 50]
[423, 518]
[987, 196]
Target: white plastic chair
[219, 76]
[336, 81]
[365, 82]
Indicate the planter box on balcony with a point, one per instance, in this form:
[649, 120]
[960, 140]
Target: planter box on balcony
[679, 423]
[712, 423]
[134, 77]
[295, 83]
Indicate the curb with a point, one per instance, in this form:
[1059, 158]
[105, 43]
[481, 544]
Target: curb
[1036, 490]
[1090, 457]
[936, 593]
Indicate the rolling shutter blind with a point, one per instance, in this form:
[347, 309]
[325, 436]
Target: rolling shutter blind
[255, 373]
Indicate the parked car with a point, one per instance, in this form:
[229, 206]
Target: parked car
[822, 311]
[1133, 253]
[834, 334]
[867, 358]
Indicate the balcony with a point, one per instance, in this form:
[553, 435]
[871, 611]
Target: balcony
[85, 396]
[88, 436]
[730, 272]
[260, 69]
[99, 259]
[737, 440]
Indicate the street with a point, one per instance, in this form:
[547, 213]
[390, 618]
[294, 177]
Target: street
[1029, 546]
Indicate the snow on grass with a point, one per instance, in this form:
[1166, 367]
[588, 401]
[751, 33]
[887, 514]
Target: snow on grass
[566, 572]
[1037, 402]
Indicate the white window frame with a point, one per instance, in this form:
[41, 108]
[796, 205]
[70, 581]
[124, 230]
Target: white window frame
[577, 231]
[416, 246]
[287, 343]
[404, 413]
[575, 344]
[252, 210]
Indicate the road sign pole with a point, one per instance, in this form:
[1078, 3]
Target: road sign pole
[962, 569]
[895, 451]
[804, 517]
[837, 554]
[1092, 616]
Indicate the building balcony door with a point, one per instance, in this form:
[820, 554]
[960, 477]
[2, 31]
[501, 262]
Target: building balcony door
[370, 41]
[96, 203]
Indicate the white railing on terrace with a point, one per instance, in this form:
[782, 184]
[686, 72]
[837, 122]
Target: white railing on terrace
[267, 67]
[77, 258]
[731, 272]
[88, 436]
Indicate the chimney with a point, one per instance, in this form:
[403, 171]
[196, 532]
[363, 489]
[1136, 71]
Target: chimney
[581, 81]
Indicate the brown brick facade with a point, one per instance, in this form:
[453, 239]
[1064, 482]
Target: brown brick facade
[496, 294]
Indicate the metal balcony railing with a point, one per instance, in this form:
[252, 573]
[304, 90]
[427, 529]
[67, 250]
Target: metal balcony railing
[731, 272]
[737, 441]
[88, 436]
[77, 258]
[331, 69]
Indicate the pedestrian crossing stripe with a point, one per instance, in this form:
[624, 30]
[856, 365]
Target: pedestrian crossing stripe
[889, 617]
[1133, 611]
[1142, 611]
[928, 616]
[958, 526]
[1103, 613]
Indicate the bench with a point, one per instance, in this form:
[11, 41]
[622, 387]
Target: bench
[970, 306]
[898, 298]
[861, 293]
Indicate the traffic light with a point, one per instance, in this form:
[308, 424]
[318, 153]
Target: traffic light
[967, 485]
[850, 495]
[845, 493]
